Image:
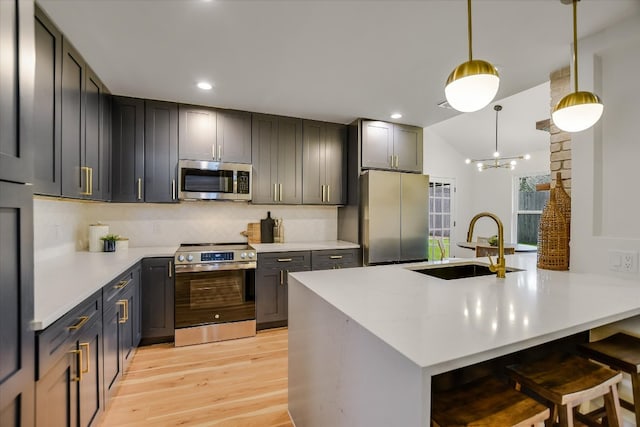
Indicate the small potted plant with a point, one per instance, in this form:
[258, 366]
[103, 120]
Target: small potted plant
[110, 242]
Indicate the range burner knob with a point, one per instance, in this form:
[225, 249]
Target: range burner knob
[180, 258]
[189, 257]
[243, 255]
[251, 254]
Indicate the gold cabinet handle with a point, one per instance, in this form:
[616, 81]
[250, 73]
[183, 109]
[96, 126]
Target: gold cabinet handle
[275, 192]
[170, 269]
[85, 169]
[88, 348]
[397, 162]
[82, 321]
[173, 189]
[391, 160]
[335, 257]
[328, 193]
[280, 197]
[78, 354]
[139, 188]
[219, 153]
[281, 277]
[90, 182]
[213, 151]
[125, 306]
[323, 193]
[285, 259]
[121, 284]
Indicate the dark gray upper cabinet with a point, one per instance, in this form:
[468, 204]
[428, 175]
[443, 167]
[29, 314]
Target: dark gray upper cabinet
[157, 298]
[127, 149]
[324, 146]
[75, 175]
[277, 159]
[407, 146]
[16, 305]
[197, 133]
[391, 146]
[47, 107]
[234, 136]
[94, 160]
[16, 90]
[106, 164]
[160, 151]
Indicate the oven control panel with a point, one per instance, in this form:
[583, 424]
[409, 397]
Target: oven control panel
[243, 255]
[216, 256]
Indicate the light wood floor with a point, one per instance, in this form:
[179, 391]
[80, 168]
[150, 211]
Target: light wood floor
[231, 383]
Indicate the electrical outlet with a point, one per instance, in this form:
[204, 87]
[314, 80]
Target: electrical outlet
[623, 261]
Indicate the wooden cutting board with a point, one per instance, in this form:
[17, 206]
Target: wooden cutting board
[252, 233]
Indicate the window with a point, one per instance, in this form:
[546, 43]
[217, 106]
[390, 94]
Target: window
[441, 191]
[528, 207]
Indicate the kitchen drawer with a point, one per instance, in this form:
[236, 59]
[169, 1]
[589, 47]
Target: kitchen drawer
[298, 260]
[53, 342]
[111, 291]
[336, 258]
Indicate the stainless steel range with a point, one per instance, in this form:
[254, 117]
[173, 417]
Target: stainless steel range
[214, 292]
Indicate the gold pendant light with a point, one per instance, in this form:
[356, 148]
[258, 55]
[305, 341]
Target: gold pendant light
[578, 110]
[472, 85]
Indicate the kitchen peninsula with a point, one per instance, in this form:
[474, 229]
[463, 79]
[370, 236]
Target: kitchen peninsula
[364, 343]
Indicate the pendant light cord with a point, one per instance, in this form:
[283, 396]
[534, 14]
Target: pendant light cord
[497, 109]
[469, 29]
[575, 44]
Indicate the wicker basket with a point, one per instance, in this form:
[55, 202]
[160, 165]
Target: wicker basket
[553, 237]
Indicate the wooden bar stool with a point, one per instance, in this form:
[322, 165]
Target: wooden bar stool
[486, 402]
[567, 381]
[620, 352]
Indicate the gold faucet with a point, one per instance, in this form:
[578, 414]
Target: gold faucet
[501, 267]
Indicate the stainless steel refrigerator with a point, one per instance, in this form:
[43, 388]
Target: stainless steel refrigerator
[394, 217]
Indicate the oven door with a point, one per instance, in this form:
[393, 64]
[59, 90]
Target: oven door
[219, 296]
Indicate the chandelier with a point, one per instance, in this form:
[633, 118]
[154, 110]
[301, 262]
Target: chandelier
[496, 161]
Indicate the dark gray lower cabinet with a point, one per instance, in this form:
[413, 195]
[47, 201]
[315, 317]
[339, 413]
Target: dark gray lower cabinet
[335, 259]
[69, 387]
[272, 285]
[157, 298]
[121, 318]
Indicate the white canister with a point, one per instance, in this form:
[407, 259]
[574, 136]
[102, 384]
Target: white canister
[122, 244]
[96, 231]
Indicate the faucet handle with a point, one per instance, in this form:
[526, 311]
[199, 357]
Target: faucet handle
[492, 266]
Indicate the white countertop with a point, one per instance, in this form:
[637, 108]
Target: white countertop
[63, 282]
[445, 324]
[303, 246]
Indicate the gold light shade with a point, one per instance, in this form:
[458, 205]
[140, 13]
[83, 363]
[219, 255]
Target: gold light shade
[472, 85]
[577, 111]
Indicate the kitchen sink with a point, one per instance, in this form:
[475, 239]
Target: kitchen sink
[459, 271]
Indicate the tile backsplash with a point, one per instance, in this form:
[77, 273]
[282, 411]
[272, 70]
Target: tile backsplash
[62, 225]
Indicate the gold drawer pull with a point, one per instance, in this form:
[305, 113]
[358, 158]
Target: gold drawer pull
[78, 354]
[86, 345]
[121, 284]
[335, 257]
[83, 320]
[285, 259]
[125, 304]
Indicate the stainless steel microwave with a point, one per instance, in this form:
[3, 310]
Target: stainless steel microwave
[202, 180]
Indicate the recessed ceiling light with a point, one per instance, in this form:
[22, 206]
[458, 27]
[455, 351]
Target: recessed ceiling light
[204, 85]
[396, 116]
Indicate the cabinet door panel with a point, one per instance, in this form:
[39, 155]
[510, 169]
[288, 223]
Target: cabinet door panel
[270, 297]
[90, 394]
[313, 183]
[335, 164]
[377, 144]
[93, 135]
[157, 298]
[74, 179]
[16, 89]
[264, 147]
[161, 151]
[57, 394]
[234, 136]
[127, 150]
[290, 159]
[112, 343]
[407, 145]
[16, 303]
[47, 107]
[105, 162]
[197, 133]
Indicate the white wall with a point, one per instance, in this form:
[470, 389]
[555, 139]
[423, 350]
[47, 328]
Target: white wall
[62, 225]
[490, 190]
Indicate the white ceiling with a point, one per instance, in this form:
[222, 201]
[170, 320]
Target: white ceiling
[331, 60]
